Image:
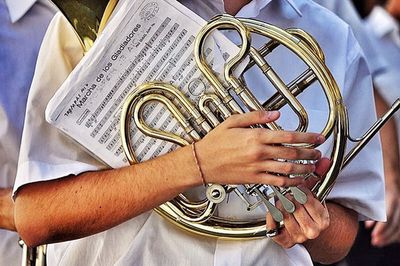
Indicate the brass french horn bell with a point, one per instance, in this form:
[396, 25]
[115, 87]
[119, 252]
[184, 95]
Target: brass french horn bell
[87, 17]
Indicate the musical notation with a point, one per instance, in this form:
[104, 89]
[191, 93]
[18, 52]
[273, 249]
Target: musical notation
[134, 49]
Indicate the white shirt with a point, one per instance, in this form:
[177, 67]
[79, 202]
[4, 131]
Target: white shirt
[387, 33]
[22, 27]
[346, 11]
[148, 239]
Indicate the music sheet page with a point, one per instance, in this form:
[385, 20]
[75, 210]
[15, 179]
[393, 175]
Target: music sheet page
[150, 40]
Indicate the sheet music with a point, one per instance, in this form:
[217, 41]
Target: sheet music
[145, 41]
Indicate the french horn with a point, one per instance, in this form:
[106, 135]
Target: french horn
[230, 96]
[199, 216]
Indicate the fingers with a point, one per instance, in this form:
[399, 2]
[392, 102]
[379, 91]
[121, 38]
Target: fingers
[289, 153]
[321, 167]
[250, 119]
[286, 168]
[376, 235]
[386, 233]
[284, 238]
[278, 137]
[315, 209]
[280, 181]
[307, 222]
[369, 224]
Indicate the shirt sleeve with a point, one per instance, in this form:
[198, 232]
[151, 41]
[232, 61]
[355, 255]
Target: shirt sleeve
[345, 10]
[360, 186]
[45, 152]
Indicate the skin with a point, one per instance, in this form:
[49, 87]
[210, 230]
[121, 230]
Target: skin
[385, 233]
[393, 8]
[6, 210]
[316, 224]
[244, 156]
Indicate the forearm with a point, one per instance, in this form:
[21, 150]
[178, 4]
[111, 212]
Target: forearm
[78, 206]
[6, 209]
[335, 242]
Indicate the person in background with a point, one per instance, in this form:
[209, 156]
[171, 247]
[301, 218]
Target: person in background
[366, 249]
[22, 26]
[378, 243]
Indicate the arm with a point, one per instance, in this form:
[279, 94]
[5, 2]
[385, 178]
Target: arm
[78, 206]
[334, 242]
[386, 233]
[6, 210]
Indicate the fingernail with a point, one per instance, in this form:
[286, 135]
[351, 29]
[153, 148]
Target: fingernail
[320, 139]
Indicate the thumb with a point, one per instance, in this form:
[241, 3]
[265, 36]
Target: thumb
[251, 118]
[321, 167]
[369, 224]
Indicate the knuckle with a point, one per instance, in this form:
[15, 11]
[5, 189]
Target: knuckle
[293, 153]
[232, 118]
[256, 153]
[260, 115]
[300, 239]
[288, 137]
[256, 135]
[290, 168]
[312, 233]
[280, 181]
[325, 223]
[310, 168]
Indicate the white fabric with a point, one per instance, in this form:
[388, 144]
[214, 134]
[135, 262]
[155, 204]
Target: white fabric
[150, 240]
[346, 11]
[387, 35]
[18, 8]
[387, 32]
[22, 27]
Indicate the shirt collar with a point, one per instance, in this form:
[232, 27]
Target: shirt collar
[18, 8]
[382, 23]
[253, 8]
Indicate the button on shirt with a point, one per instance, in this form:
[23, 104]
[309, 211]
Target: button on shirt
[150, 240]
[22, 27]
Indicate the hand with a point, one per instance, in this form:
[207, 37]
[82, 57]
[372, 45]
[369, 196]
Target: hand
[308, 220]
[234, 153]
[6, 210]
[385, 233]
